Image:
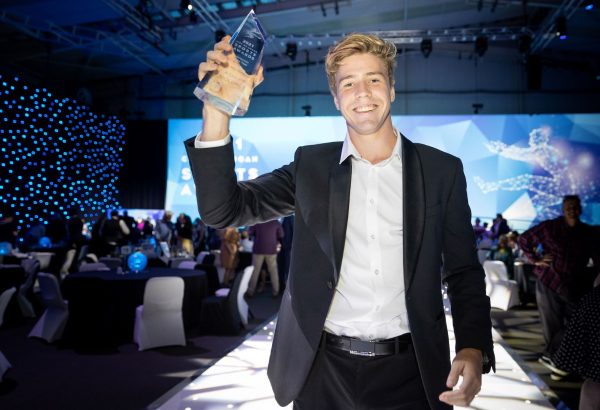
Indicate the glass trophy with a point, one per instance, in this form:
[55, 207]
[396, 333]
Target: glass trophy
[229, 88]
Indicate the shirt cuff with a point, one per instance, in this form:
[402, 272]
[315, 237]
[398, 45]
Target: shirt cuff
[211, 144]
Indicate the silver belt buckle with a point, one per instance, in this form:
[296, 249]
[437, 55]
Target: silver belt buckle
[367, 354]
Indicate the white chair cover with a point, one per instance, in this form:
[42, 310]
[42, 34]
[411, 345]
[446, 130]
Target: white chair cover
[187, 264]
[31, 267]
[242, 304]
[44, 258]
[177, 261]
[51, 325]
[503, 292]
[88, 267]
[159, 321]
[4, 299]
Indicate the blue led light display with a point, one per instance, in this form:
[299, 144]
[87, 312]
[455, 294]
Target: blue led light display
[55, 154]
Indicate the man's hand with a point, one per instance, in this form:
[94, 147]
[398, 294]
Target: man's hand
[216, 122]
[468, 363]
[545, 261]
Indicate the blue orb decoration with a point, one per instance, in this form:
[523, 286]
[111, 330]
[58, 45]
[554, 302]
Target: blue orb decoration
[45, 242]
[137, 261]
[5, 248]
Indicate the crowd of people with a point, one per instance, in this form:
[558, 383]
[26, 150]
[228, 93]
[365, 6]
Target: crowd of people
[564, 254]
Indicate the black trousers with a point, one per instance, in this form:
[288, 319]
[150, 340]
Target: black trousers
[339, 380]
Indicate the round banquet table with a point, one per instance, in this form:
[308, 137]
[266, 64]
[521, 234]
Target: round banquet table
[102, 304]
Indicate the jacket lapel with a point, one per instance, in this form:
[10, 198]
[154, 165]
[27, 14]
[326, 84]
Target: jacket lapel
[413, 208]
[339, 201]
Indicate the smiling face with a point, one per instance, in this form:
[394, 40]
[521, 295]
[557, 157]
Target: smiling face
[363, 94]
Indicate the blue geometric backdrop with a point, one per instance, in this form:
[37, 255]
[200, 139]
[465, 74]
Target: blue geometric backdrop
[518, 165]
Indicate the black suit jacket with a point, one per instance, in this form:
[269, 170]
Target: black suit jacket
[316, 187]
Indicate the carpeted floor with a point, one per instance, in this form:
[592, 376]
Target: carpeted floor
[48, 376]
[521, 330]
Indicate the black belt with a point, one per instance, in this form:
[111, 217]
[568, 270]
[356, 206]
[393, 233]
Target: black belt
[367, 348]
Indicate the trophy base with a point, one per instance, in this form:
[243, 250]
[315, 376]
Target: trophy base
[221, 104]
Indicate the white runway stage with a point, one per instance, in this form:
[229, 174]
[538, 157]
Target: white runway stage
[239, 381]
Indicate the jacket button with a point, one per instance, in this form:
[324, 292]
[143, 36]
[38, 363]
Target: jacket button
[330, 284]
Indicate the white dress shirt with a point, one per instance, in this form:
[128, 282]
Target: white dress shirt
[369, 301]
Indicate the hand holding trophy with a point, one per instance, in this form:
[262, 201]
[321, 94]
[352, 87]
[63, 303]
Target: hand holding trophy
[233, 68]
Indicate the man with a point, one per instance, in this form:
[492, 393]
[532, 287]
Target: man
[361, 323]
[267, 237]
[567, 245]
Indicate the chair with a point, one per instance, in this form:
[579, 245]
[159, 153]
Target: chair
[159, 321]
[4, 366]
[31, 267]
[89, 267]
[222, 314]
[4, 299]
[52, 323]
[112, 263]
[187, 265]
[241, 301]
[69, 258]
[44, 258]
[503, 292]
[176, 261]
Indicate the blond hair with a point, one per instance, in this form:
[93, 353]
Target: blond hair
[359, 44]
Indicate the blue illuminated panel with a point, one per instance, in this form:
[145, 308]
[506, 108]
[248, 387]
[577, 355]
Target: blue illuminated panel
[55, 154]
[518, 165]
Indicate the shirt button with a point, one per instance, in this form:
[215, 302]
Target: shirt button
[372, 201]
[372, 236]
[376, 271]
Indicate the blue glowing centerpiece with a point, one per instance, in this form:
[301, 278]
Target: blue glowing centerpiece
[5, 248]
[137, 261]
[45, 242]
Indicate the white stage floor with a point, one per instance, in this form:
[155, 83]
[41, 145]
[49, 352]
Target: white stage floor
[239, 381]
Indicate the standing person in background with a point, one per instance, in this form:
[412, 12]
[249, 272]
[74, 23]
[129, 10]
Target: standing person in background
[361, 323]
[184, 231]
[113, 232]
[230, 246]
[267, 237]
[164, 228]
[567, 245]
[499, 227]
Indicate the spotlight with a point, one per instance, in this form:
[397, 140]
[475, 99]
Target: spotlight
[481, 45]
[291, 50]
[426, 47]
[589, 5]
[560, 27]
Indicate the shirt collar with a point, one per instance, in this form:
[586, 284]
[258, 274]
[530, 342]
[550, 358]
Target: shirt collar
[348, 148]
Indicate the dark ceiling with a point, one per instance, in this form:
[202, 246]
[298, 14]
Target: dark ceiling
[90, 40]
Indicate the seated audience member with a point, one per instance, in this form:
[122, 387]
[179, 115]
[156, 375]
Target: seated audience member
[513, 244]
[246, 241]
[579, 352]
[502, 252]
